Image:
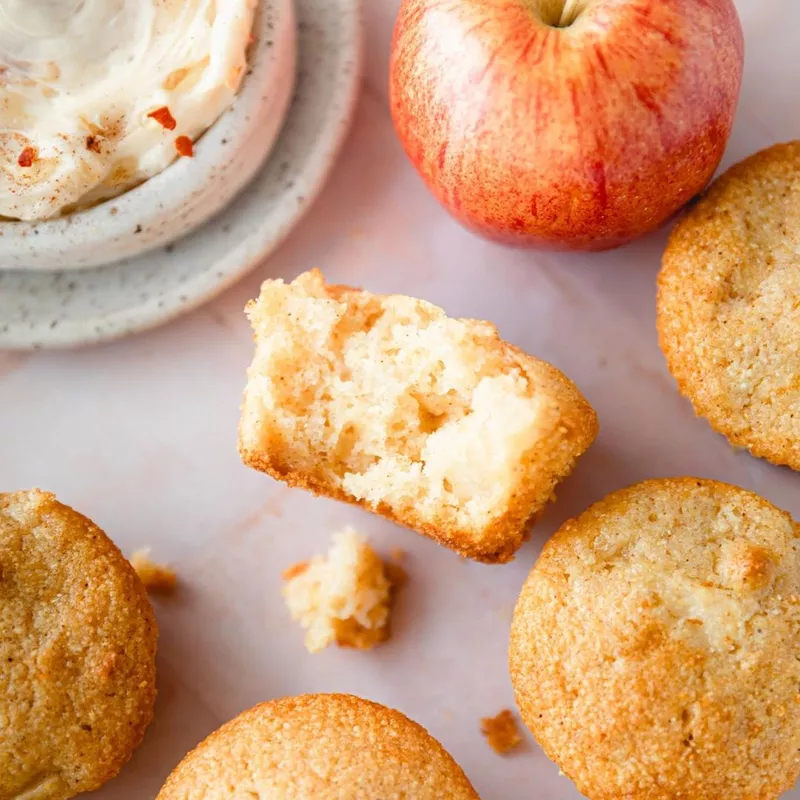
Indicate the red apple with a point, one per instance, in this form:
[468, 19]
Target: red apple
[567, 124]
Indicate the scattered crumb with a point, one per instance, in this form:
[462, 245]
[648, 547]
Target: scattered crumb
[344, 599]
[156, 578]
[501, 732]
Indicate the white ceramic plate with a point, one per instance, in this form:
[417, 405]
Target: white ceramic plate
[67, 309]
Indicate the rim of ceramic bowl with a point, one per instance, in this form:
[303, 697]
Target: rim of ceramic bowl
[189, 191]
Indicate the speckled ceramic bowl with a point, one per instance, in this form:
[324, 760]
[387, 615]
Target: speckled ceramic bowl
[57, 309]
[191, 190]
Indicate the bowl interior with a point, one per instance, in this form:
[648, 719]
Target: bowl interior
[191, 190]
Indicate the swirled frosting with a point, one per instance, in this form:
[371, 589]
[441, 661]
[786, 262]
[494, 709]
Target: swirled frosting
[95, 94]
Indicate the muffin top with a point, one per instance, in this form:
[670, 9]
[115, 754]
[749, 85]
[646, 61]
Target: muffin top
[322, 746]
[729, 304]
[77, 648]
[654, 645]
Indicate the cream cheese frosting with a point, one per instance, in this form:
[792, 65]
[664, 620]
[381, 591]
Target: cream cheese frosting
[97, 96]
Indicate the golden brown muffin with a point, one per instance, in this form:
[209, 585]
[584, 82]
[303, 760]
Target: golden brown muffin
[322, 746]
[77, 648]
[384, 401]
[654, 647]
[728, 308]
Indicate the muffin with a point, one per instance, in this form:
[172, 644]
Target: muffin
[77, 645]
[728, 310]
[326, 747]
[433, 422]
[654, 645]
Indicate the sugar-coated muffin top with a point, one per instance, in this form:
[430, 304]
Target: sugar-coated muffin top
[654, 645]
[77, 648]
[329, 747]
[728, 308]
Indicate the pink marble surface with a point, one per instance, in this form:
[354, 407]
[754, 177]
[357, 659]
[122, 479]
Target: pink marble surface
[140, 435]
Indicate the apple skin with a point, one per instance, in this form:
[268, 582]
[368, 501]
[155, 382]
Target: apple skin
[576, 138]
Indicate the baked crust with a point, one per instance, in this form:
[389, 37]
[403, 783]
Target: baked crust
[329, 747]
[654, 645]
[77, 645]
[566, 426]
[728, 316]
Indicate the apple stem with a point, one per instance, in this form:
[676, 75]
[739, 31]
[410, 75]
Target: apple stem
[568, 13]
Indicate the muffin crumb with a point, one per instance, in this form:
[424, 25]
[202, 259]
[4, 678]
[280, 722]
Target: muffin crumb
[344, 598]
[157, 578]
[501, 732]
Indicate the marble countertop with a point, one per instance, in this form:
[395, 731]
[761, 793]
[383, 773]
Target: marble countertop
[141, 436]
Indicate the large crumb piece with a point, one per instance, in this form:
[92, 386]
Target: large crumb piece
[385, 401]
[157, 578]
[344, 599]
[501, 732]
